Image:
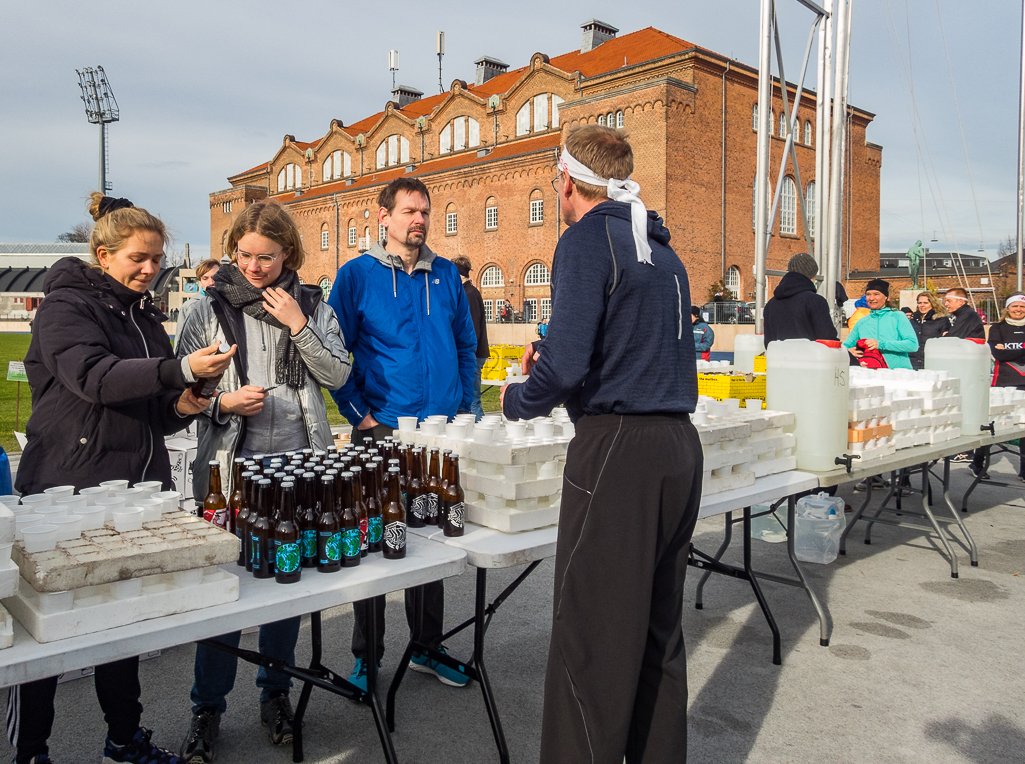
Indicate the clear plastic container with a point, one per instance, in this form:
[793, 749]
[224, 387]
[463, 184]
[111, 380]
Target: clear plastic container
[745, 348]
[818, 524]
[969, 362]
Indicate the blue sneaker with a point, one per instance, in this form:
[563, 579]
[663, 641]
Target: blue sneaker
[139, 751]
[450, 676]
[358, 676]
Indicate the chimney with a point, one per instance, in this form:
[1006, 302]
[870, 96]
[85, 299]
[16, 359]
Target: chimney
[595, 33]
[405, 95]
[488, 67]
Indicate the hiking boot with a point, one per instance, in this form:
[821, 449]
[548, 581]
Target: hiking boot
[138, 751]
[276, 716]
[426, 665]
[198, 747]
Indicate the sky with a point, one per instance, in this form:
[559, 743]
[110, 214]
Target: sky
[207, 90]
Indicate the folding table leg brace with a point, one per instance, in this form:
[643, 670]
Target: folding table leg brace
[1002, 448]
[714, 564]
[317, 675]
[475, 668]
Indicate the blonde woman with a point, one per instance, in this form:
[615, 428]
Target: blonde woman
[928, 321]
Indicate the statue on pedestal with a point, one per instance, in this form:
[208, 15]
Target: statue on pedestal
[915, 255]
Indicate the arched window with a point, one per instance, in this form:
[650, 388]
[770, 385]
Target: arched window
[325, 286]
[601, 119]
[492, 277]
[365, 243]
[352, 233]
[290, 176]
[537, 207]
[491, 214]
[451, 220]
[754, 118]
[809, 202]
[619, 122]
[538, 275]
[732, 281]
[393, 150]
[807, 132]
[555, 109]
[610, 119]
[540, 112]
[459, 134]
[523, 119]
[782, 125]
[325, 237]
[337, 165]
[788, 207]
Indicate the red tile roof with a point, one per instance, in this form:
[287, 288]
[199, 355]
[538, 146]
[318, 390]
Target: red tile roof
[254, 169]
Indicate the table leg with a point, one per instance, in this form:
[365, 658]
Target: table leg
[479, 627]
[973, 551]
[777, 653]
[825, 628]
[414, 641]
[370, 629]
[855, 517]
[316, 639]
[698, 600]
[932, 519]
[886, 500]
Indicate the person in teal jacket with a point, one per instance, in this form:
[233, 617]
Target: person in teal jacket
[884, 328]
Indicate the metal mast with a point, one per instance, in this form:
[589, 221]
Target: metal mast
[441, 52]
[1021, 152]
[100, 109]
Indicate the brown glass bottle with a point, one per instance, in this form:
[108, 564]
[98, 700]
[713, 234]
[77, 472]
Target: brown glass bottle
[382, 496]
[254, 496]
[433, 492]
[242, 518]
[261, 533]
[361, 510]
[444, 483]
[215, 505]
[415, 490]
[306, 510]
[287, 552]
[455, 508]
[349, 524]
[205, 387]
[371, 498]
[329, 553]
[394, 519]
[235, 500]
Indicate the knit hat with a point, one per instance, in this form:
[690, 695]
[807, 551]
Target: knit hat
[804, 264]
[878, 285]
[695, 311]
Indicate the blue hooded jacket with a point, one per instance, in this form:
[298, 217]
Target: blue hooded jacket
[620, 339]
[411, 338]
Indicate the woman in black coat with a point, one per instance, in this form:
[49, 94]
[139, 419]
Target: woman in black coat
[106, 388]
[929, 321]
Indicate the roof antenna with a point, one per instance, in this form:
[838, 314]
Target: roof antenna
[441, 52]
[393, 65]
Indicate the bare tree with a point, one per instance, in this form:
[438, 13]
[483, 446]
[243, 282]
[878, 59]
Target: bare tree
[79, 233]
[1008, 246]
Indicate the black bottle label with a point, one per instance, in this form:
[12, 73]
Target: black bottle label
[395, 536]
[455, 514]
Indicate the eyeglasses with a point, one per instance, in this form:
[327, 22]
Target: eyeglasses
[555, 182]
[264, 261]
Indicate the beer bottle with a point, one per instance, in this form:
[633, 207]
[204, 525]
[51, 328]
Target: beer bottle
[382, 495]
[215, 505]
[414, 490]
[375, 527]
[261, 535]
[402, 454]
[361, 509]
[287, 554]
[394, 519]
[247, 529]
[329, 552]
[455, 508]
[307, 521]
[245, 486]
[444, 484]
[349, 524]
[235, 500]
[205, 387]
[433, 492]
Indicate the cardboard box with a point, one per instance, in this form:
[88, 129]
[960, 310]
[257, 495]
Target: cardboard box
[182, 453]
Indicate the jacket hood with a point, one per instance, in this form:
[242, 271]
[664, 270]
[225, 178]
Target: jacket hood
[791, 284]
[72, 273]
[656, 229]
[379, 253]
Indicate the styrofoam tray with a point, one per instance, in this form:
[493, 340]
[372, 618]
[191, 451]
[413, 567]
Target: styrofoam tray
[513, 520]
[9, 576]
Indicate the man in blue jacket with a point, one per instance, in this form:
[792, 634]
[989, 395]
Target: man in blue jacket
[404, 316]
[616, 683]
[704, 337]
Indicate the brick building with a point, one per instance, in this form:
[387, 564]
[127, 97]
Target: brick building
[488, 151]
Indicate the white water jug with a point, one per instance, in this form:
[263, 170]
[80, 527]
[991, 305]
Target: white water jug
[969, 361]
[811, 380]
[745, 348]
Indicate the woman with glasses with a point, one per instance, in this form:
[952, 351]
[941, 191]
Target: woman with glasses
[269, 401]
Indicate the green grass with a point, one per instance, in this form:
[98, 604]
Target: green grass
[12, 348]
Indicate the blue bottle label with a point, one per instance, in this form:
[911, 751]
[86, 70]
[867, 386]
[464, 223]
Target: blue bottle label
[375, 530]
[309, 543]
[286, 557]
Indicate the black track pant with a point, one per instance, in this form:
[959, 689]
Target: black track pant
[434, 592]
[30, 707]
[616, 684]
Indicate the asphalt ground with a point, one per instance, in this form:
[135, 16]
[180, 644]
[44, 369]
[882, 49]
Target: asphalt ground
[921, 668]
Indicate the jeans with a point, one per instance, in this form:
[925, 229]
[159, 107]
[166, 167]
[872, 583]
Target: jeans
[215, 669]
[475, 408]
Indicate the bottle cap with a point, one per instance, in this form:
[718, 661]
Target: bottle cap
[215, 464]
[224, 347]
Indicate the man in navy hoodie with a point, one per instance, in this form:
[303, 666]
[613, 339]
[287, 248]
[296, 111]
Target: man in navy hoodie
[620, 354]
[404, 316]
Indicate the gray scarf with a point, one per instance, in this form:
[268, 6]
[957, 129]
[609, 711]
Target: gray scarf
[233, 286]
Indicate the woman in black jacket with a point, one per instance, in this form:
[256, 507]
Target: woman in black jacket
[929, 321]
[106, 388]
[1007, 344]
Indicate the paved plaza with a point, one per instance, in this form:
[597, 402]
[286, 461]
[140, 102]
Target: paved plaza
[922, 668]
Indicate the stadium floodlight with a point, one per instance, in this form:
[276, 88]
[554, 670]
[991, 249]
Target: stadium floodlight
[100, 109]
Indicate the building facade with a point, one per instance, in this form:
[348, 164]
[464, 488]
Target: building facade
[488, 153]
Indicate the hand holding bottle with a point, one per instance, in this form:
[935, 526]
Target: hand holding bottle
[210, 362]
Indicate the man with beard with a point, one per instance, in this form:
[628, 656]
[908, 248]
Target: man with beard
[405, 318]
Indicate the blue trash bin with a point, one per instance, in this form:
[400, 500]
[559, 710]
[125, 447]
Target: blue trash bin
[6, 485]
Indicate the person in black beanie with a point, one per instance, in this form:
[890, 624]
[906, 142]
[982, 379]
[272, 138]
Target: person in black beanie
[796, 311]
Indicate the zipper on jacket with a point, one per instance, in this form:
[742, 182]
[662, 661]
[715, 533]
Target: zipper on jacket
[679, 308]
[145, 349]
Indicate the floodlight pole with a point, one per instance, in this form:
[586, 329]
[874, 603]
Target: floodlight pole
[762, 224]
[1021, 154]
[100, 109]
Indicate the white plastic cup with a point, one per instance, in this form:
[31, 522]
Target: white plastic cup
[753, 404]
[94, 493]
[92, 517]
[68, 527]
[128, 519]
[52, 511]
[169, 499]
[192, 577]
[10, 500]
[123, 590]
[545, 429]
[71, 503]
[515, 430]
[5, 552]
[430, 429]
[407, 423]
[114, 484]
[515, 473]
[60, 490]
[55, 602]
[131, 494]
[548, 470]
[27, 520]
[483, 433]
[40, 538]
[37, 500]
[110, 505]
[494, 502]
[151, 509]
[150, 486]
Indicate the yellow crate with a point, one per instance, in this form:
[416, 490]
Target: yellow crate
[760, 364]
[722, 386]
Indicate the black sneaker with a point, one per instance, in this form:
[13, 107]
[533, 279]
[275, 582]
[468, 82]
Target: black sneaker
[139, 751]
[199, 747]
[276, 715]
[978, 472]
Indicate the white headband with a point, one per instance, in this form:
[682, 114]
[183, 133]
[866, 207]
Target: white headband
[620, 191]
[1014, 298]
